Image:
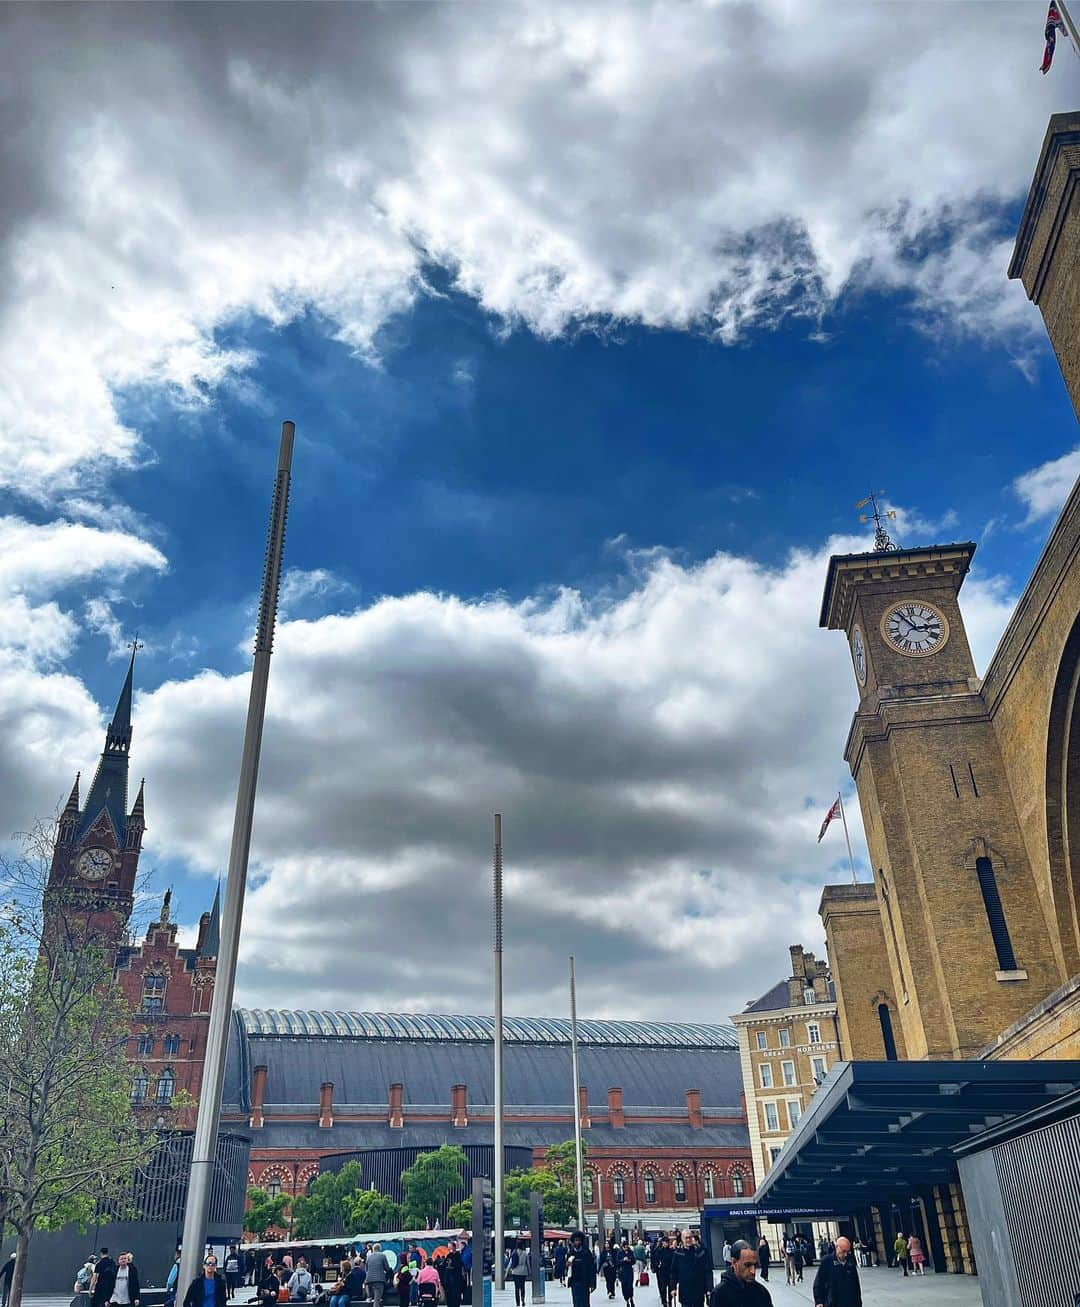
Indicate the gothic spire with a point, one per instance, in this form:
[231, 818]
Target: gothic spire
[109, 788]
[210, 944]
[71, 808]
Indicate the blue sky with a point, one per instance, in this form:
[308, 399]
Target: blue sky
[587, 379]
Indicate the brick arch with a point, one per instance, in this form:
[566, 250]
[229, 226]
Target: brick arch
[305, 1175]
[277, 1171]
[251, 1179]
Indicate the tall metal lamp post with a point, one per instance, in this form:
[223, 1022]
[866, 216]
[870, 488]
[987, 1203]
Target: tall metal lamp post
[204, 1148]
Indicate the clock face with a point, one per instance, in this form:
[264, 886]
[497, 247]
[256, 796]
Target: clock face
[915, 628]
[858, 654]
[95, 864]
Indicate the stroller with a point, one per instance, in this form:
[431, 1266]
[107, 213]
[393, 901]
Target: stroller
[427, 1294]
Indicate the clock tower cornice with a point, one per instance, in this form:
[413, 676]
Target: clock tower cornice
[850, 574]
[952, 708]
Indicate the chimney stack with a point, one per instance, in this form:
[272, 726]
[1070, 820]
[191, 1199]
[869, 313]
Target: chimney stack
[258, 1097]
[693, 1107]
[459, 1102]
[583, 1106]
[615, 1107]
[396, 1118]
[326, 1105]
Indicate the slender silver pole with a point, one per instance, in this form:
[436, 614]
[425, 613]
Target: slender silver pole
[577, 1103]
[206, 1127]
[847, 837]
[498, 1163]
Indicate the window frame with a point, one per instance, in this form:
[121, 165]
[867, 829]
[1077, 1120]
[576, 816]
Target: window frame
[788, 1065]
[765, 1075]
[738, 1184]
[762, 1040]
[785, 1037]
[773, 1126]
[793, 1121]
[814, 1062]
[167, 1078]
[648, 1188]
[618, 1190]
[678, 1187]
[813, 1032]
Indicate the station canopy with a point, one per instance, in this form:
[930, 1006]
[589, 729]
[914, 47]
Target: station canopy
[878, 1131]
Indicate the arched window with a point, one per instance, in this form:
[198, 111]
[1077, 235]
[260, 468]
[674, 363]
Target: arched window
[737, 1184]
[710, 1185]
[273, 1187]
[144, 1045]
[170, 1045]
[618, 1189]
[165, 1086]
[153, 997]
[679, 1185]
[887, 1032]
[140, 1087]
[650, 1188]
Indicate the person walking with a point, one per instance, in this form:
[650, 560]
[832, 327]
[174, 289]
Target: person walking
[232, 1271]
[606, 1267]
[661, 1264]
[559, 1263]
[208, 1289]
[520, 1269]
[691, 1272]
[739, 1286]
[640, 1254]
[125, 1291]
[7, 1271]
[101, 1286]
[84, 1277]
[626, 1269]
[172, 1279]
[764, 1257]
[900, 1251]
[797, 1260]
[837, 1281]
[580, 1270]
[916, 1256]
[403, 1280]
[452, 1275]
[378, 1272]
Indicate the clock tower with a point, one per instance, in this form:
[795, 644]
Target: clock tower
[96, 855]
[963, 931]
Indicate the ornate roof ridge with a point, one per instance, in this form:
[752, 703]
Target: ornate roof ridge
[480, 1029]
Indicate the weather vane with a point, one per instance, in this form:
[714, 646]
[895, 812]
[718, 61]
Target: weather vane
[879, 516]
[136, 644]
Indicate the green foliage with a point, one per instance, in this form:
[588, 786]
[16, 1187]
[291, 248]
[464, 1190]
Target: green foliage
[428, 1181]
[373, 1212]
[460, 1214]
[265, 1211]
[560, 1161]
[560, 1201]
[70, 1139]
[326, 1208]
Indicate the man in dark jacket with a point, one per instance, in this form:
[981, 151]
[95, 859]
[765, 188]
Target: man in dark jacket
[837, 1281]
[580, 1270]
[691, 1272]
[739, 1285]
[661, 1264]
[208, 1289]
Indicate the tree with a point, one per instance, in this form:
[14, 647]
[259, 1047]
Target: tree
[265, 1211]
[326, 1208]
[428, 1182]
[559, 1200]
[560, 1160]
[460, 1214]
[68, 1138]
[374, 1213]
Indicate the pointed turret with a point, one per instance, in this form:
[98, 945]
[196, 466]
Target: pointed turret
[210, 934]
[109, 789]
[136, 822]
[72, 805]
[69, 818]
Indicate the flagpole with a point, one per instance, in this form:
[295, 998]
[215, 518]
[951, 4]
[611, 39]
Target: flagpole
[847, 837]
[1070, 27]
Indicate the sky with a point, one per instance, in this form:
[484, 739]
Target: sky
[595, 322]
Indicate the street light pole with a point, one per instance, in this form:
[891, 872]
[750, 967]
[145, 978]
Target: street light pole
[498, 1163]
[580, 1185]
[204, 1148]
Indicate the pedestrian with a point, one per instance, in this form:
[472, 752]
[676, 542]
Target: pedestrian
[764, 1257]
[427, 1285]
[559, 1261]
[837, 1281]
[661, 1264]
[7, 1271]
[232, 1271]
[606, 1266]
[626, 1269]
[301, 1282]
[84, 1277]
[378, 1272]
[269, 1285]
[580, 1270]
[725, 1256]
[339, 1294]
[640, 1254]
[691, 1272]
[789, 1258]
[900, 1251]
[208, 1289]
[916, 1256]
[798, 1259]
[403, 1280]
[452, 1275]
[520, 1268]
[101, 1286]
[125, 1291]
[172, 1279]
[739, 1285]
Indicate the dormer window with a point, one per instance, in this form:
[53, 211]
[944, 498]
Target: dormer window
[808, 996]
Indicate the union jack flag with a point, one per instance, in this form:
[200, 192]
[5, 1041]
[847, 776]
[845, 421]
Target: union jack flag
[1053, 26]
[831, 815]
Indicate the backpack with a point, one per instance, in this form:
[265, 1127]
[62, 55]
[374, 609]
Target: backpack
[302, 1289]
[515, 1260]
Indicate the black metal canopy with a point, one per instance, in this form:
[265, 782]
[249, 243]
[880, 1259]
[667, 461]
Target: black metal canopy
[885, 1130]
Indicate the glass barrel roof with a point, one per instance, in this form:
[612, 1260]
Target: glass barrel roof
[440, 1026]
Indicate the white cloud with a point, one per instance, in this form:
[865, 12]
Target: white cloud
[662, 760]
[1045, 488]
[690, 166]
[299, 586]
